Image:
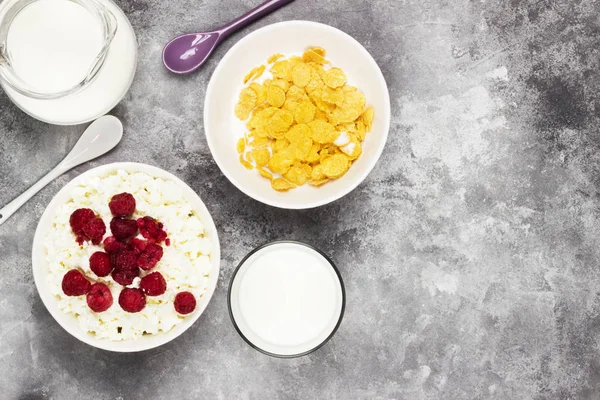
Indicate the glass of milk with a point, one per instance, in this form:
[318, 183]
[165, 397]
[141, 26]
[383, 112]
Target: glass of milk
[53, 48]
[286, 299]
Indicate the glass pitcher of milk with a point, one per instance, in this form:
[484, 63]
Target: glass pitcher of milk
[53, 48]
[53, 51]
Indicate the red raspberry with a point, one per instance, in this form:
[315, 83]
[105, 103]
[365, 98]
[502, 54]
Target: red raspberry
[112, 245]
[95, 229]
[185, 303]
[126, 270]
[123, 229]
[122, 205]
[100, 263]
[168, 242]
[150, 256]
[74, 283]
[138, 245]
[153, 284]
[125, 277]
[123, 259]
[151, 229]
[79, 218]
[99, 298]
[132, 300]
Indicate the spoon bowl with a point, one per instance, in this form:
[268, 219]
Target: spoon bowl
[189, 51]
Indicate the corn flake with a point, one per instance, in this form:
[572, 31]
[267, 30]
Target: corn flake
[261, 156]
[335, 166]
[314, 56]
[367, 117]
[282, 70]
[335, 78]
[319, 182]
[296, 175]
[322, 132]
[281, 185]
[254, 73]
[274, 58]
[301, 74]
[265, 174]
[241, 145]
[245, 163]
[275, 96]
[304, 112]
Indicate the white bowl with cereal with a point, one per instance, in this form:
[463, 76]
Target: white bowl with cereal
[309, 121]
[126, 257]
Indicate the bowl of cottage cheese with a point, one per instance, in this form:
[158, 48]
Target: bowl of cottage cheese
[189, 261]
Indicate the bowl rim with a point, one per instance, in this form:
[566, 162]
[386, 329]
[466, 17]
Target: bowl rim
[38, 262]
[301, 24]
[333, 331]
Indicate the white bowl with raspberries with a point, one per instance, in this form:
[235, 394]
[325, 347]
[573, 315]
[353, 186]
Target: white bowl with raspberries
[126, 257]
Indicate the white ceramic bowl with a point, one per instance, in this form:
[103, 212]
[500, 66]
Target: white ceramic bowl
[68, 321]
[223, 129]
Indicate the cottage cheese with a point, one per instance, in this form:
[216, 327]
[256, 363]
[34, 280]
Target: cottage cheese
[185, 265]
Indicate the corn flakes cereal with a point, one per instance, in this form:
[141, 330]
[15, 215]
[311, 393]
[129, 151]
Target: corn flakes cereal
[352, 149]
[265, 174]
[367, 117]
[335, 166]
[241, 145]
[301, 74]
[335, 78]
[317, 173]
[261, 156]
[313, 154]
[322, 132]
[297, 94]
[261, 93]
[274, 58]
[245, 163]
[281, 83]
[282, 161]
[313, 54]
[319, 50]
[319, 182]
[333, 96]
[305, 123]
[306, 168]
[360, 131]
[298, 132]
[304, 112]
[254, 73]
[296, 175]
[281, 185]
[282, 70]
[275, 96]
[281, 144]
[302, 148]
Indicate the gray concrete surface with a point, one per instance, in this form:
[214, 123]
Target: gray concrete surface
[471, 254]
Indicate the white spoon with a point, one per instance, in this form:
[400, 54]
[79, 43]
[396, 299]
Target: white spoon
[99, 138]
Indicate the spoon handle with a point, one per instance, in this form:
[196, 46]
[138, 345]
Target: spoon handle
[13, 206]
[99, 138]
[265, 8]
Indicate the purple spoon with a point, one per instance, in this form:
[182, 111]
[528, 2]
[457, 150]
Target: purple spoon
[187, 52]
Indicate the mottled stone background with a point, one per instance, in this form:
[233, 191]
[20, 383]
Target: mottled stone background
[471, 254]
